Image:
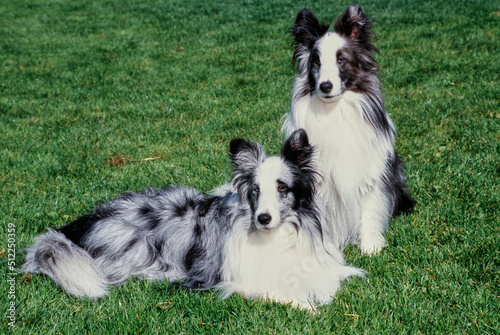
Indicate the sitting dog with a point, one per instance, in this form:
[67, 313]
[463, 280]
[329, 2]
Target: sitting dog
[337, 100]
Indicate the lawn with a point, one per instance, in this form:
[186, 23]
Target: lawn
[102, 97]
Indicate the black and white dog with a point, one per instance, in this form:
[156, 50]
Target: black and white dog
[263, 240]
[337, 99]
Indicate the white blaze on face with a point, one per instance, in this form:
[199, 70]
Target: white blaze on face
[329, 69]
[269, 201]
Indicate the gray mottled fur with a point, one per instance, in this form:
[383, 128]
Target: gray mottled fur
[201, 241]
[172, 234]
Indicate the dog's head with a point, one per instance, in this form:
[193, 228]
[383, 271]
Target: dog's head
[276, 187]
[334, 61]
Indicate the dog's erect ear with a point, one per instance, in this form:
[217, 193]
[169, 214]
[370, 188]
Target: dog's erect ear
[236, 145]
[297, 149]
[307, 28]
[244, 154]
[306, 31]
[354, 24]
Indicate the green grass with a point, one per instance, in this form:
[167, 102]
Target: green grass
[90, 91]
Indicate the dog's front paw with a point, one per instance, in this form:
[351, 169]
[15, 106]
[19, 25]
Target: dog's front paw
[372, 245]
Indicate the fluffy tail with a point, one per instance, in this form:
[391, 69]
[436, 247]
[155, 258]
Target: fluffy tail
[70, 266]
[404, 203]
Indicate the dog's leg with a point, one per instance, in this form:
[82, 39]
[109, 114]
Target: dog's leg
[375, 214]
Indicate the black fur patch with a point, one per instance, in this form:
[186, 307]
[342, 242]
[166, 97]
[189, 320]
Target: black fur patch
[153, 220]
[196, 251]
[145, 209]
[97, 252]
[181, 210]
[158, 244]
[78, 229]
[206, 204]
[131, 244]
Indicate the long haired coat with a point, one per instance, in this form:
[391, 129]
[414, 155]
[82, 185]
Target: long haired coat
[264, 240]
[337, 99]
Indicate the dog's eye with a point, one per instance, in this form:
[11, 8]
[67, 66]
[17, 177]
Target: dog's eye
[282, 188]
[316, 61]
[256, 189]
[340, 60]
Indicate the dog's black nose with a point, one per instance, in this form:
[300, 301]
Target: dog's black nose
[264, 218]
[326, 86]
